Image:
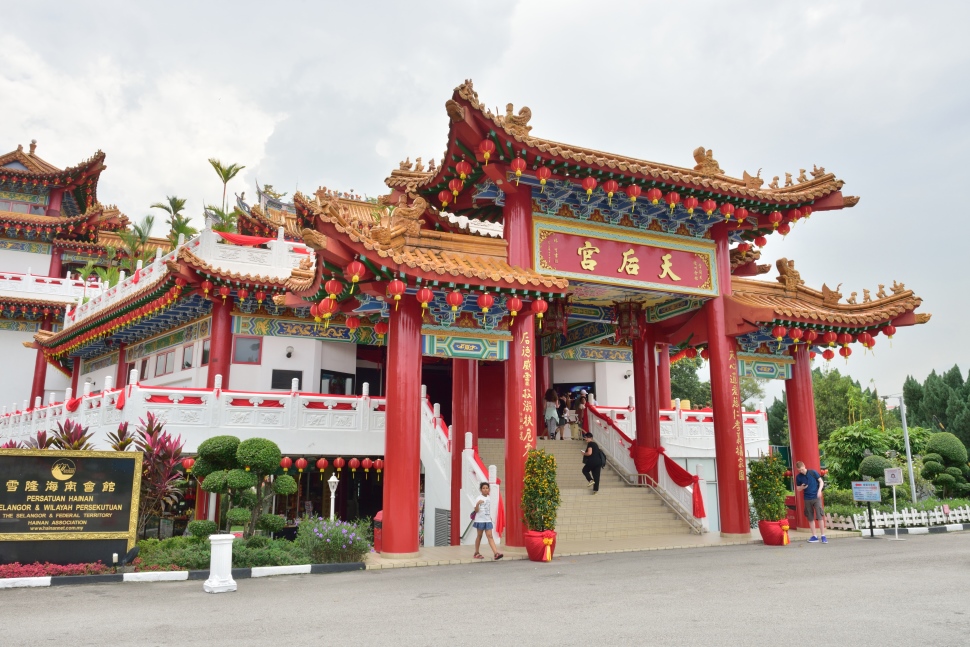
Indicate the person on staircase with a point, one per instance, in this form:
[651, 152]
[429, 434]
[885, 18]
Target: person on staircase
[561, 410]
[551, 414]
[482, 520]
[593, 462]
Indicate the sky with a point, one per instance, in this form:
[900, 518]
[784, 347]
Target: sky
[308, 94]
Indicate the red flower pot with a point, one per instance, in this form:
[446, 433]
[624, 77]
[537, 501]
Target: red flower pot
[540, 544]
[775, 533]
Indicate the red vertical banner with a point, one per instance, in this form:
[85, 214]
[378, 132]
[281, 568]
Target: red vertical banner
[520, 421]
[645, 390]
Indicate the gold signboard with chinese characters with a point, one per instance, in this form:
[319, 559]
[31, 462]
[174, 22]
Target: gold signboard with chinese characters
[597, 253]
[67, 496]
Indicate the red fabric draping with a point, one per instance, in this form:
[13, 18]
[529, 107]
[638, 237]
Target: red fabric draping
[645, 458]
[72, 404]
[164, 399]
[245, 241]
[340, 406]
[500, 516]
[120, 402]
[240, 402]
[683, 478]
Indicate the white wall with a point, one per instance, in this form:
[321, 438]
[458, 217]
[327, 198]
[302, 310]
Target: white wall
[309, 356]
[16, 261]
[17, 375]
[571, 370]
[612, 388]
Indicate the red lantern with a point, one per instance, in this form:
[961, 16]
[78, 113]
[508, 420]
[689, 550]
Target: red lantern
[760, 241]
[485, 301]
[889, 330]
[463, 169]
[690, 203]
[727, 210]
[301, 464]
[633, 192]
[672, 199]
[784, 229]
[366, 464]
[206, 286]
[795, 334]
[260, 295]
[353, 322]
[806, 212]
[543, 174]
[326, 309]
[486, 147]
[456, 186]
[744, 247]
[775, 218]
[709, 206]
[705, 354]
[333, 288]
[845, 339]
[539, 306]
[379, 466]
[779, 332]
[810, 336]
[396, 289]
[380, 329]
[611, 187]
[242, 294]
[286, 463]
[588, 184]
[514, 304]
[424, 297]
[355, 270]
[455, 298]
[181, 282]
[828, 354]
[315, 312]
[354, 464]
[339, 463]
[187, 463]
[322, 465]
[444, 196]
[793, 214]
[654, 195]
[845, 351]
[690, 352]
[866, 340]
[517, 165]
[829, 339]
[224, 291]
[812, 355]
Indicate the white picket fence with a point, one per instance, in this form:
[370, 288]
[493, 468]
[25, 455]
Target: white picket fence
[908, 517]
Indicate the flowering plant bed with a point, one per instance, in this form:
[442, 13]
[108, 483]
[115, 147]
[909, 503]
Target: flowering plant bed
[333, 542]
[37, 569]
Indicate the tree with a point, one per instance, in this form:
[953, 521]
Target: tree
[778, 423]
[225, 173]
[686, 385]
[945, 463]
[161, 480]
[913, 397]
[224, 221]
[752, 389]
[936, 396]
[178, 223]
[134, 243]
[840, 401]
[845, 448]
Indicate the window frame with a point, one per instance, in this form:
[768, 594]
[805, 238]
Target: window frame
[167, 359]
[235, 345]
[206, 350]
[190, 349]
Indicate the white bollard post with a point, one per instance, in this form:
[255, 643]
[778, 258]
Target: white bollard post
[220, 565]
[108, 383]
[365, 389]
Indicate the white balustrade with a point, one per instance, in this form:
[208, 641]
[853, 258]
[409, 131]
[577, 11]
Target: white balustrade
[49, 288]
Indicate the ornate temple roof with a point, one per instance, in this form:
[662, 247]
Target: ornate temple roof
[30, 162]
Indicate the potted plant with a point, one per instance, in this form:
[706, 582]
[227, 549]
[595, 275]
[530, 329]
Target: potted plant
[540, 502]
[766, 480]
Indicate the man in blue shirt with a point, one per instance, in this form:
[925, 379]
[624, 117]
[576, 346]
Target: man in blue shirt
[810, 483]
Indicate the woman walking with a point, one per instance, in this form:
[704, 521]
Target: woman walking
[482, 517]
[592, 464]
[551, 414]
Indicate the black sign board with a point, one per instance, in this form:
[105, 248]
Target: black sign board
[67, 507]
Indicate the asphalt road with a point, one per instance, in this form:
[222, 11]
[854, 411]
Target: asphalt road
[849, 592]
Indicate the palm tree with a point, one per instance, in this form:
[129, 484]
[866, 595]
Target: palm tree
[225, 173]
[224, 221]
[177, 222]
[135, 242]
[87, 271]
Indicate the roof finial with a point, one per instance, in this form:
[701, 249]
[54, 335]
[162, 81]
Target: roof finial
[33, 146]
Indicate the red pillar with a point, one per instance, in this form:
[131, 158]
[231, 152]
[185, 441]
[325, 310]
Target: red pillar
[518, 226]
[122, 378]
[40, 369]
[802, 427]
[663, 352]
[732, 480]
[645, 391]
[402, 444]
[464, 419]
[75, 376]
[220, 344]
[520, 421]
[54, 204]
[55, 269]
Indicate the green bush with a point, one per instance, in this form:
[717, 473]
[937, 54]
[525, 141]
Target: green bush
[275, 552]
[766, 480]
[934, 458]
[219, 451]
[949, 447]
[259, 455]
[215, 482]
[931, 469]
[189, 553]
[328, 542]
[956, 473]
[540, 491]
[202, 528]
[284, 484]
[875, 466]
[256, 541]
[238, 516]
[271, 522]
[834, 496]
[238, 479]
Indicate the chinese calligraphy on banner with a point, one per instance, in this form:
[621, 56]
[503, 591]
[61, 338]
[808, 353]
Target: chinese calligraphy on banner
[736, 429]
[527, 420]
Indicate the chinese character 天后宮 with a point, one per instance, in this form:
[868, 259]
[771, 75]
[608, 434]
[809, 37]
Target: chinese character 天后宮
[631, 264]
[666, 268]
[587, 251]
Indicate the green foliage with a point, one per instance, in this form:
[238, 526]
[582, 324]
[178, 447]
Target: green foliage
[259, 455]
[219, 451]
[215, 482]
[72, 436]
[190, 553]
[330, 542]
[931, 469]
[949, 447]
[202, 528]
[875, 466]
[238, 479]
[778, 423]
[841, 401]
[686, 385]
[245, 499]
[846, 447]
[766, 481]
[203, 467]
[955, 472]
[271, 522]
[238, 516]
[540, 491]
[918, 438]
[284, 484]
[932, 458]
[834, 496]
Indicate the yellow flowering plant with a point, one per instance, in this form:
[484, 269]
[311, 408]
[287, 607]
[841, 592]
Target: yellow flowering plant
[766, 481]
[540, 491]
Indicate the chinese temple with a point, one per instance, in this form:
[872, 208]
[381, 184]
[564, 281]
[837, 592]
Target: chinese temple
[508, 258]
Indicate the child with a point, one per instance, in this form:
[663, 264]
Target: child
[483, 522]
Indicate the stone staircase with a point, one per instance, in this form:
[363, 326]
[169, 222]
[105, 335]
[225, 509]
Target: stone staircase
[619, 510]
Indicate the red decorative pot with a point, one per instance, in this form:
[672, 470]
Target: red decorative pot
[775, 533]
[540, 544]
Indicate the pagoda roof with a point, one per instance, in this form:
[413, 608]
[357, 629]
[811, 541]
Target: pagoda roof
[29, 162]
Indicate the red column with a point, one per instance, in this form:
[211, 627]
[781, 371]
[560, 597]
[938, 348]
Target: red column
[201, 500]
[464, 419]
[663, 353]
[520, 421]
[402, 444]
[802, 427]
[54, 204]
[75, 376]
[40, 369]
[518, 226]
[645, 392]
[122, 378]
[732, 480]
[220, 344]
[55, 269]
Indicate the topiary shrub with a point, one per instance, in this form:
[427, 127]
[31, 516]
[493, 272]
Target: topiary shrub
[835, 496]
[956, 473]
[202, 528]
[259, 455]
[215, 482]
[219, 452]
[945, 464]
[875, 467]
[932, 458]
[238, 517]
[949, 447]
[271, 522]
[238, 479]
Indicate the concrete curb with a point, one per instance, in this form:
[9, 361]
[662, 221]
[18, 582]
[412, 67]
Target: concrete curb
[924, 530]
[177, 576]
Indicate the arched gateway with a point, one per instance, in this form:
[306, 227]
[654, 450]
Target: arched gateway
[600, 256]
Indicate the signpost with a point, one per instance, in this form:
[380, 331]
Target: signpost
[894, 477]
[867, 491]
[67, 507]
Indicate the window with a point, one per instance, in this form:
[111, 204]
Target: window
[165, 363]
[205, 353]
[284, 380]
[38, 209]
[247, 350]
[143, 370]
[4, 205]
[19, 207]
[187, 352]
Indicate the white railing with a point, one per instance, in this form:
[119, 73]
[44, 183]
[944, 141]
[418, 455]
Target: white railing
[277, 262]
[472, 477]
[436, 458]
[910, 517]
[617, 448]
[61, 289]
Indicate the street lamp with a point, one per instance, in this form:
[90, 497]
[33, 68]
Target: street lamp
[332, 482]
[909, 454]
